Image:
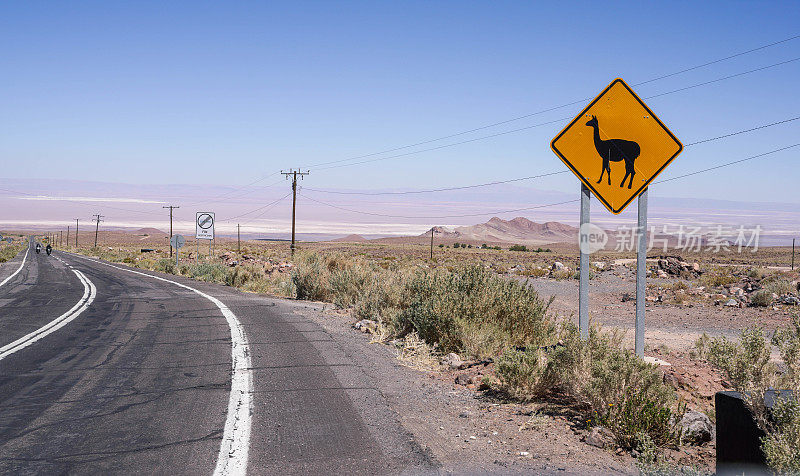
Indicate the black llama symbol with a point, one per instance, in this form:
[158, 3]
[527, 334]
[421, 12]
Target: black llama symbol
[615, 150]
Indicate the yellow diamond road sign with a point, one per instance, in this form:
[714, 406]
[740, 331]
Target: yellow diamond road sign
[616, 146]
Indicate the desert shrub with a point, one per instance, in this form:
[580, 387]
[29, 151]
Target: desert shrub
[650, 461]
[783, 440]
[240, 276]
[757, 273]
[777, 285]
[441, 245]
[384, 299]
[616, 385]
[679, 285]
[518, 248]
[609, 384]
[761, 298]
[215, 273]
[165, 266]
[718, 276]
[701, 346]
[475, 312]
[537, 272]
[524, 374]
[456, 244]
[463, 245]
[348, 283]
[307, 278]
[9, 251]
[747, 366]
[746, 363]
[560, 274]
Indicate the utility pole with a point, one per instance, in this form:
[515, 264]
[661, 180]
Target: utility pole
[60, 237]
[66, 242]
[433, 229]
[97, 227]
[76, 232]
[792, 254]
[294, 174]
[170, 227]
[238, 238]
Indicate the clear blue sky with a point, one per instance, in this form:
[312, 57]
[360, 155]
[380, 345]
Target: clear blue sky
[227, 92]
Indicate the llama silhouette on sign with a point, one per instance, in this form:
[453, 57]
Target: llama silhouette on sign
[615, 150]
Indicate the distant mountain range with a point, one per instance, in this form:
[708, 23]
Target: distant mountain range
[519, 230]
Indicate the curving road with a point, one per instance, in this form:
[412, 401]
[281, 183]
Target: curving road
[106, 369]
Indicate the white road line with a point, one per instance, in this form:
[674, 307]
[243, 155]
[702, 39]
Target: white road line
[20, 266]
[233, 452]
[89, 294]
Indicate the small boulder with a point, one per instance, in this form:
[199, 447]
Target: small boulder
[463, 379]
[558, 266]
[790, 300]
[600, 437]
[452, 360]
[366, 325]
[732, 303]
[697, 427]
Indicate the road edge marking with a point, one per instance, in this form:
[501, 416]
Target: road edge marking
[20, 266]
[235, 446]
[89, 293]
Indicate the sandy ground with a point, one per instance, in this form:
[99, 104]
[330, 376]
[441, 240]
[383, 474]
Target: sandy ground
[676, 326]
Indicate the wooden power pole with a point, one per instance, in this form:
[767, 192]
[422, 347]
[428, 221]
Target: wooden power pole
[66, 242]
[170, 227]
[76, 232]
[238, 238]
[97, 227]
[432, 231]
[294, 174]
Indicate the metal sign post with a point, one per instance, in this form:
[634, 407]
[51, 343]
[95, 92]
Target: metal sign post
[641, 270]
[204, 229]
[177, 242]
[583, 289]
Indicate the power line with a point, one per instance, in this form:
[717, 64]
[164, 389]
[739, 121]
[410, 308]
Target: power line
[257, 209]
[554, 108]
[268, 208]
[500, 212]
[439, 216]
[727, 164]
[763, 126]
[499, 182]
[238, 189]
[685, 88]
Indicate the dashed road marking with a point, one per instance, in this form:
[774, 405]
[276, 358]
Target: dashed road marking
[233, 452]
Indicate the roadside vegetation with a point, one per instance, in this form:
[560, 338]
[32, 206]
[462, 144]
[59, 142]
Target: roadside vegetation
[10, 250]
[748, 367]
[463, 302]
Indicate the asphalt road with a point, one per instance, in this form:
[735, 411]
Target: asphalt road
[106, 369]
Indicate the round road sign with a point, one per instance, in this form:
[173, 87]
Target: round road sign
[177, 241]
[205, 221]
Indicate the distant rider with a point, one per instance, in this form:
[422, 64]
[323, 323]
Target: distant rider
[49, 249]
[38, 248]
